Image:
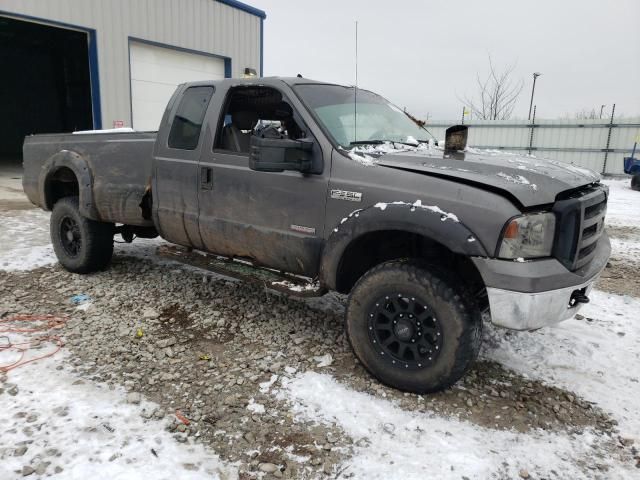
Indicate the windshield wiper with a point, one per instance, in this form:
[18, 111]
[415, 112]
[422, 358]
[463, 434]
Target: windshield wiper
[380, 142]
[368, 142]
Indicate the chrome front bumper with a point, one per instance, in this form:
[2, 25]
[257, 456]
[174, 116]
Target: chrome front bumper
[530, 295]
[528, 311]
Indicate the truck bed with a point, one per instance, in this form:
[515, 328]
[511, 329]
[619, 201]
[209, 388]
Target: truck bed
[119, 165]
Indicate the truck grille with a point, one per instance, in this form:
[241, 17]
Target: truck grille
[580, 225]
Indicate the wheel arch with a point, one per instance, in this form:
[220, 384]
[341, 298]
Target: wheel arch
[395, 231]
[66, 174]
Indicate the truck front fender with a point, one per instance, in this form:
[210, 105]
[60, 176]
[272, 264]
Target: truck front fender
[427, 221]
[82, 171]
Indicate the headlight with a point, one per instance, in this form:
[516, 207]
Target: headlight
[528, 236]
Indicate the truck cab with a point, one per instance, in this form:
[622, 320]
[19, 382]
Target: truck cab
[340, 186]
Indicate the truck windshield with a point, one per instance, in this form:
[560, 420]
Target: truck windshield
[359, 117]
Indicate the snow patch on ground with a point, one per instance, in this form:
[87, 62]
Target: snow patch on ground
[297, 287]
[596, 357]
[394, 443]
[94, 432]
[25, 242]
[623, 205]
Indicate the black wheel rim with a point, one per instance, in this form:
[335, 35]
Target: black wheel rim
[404, 331]
[70, 237]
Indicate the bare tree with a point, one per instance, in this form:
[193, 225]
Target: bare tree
[585, 114]
[497, 94]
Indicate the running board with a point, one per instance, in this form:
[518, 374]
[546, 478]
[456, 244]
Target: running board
[243, 270]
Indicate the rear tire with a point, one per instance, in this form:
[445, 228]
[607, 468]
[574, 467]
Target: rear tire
[635, 182]
[81, 245]
[412, 328]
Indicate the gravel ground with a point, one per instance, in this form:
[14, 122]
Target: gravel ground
[212, 354]
[210, 347]
[621, 275]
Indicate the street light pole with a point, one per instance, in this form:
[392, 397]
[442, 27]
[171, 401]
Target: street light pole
[533, 89]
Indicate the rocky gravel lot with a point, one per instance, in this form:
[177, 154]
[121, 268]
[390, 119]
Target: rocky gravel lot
[210, 350]
[210, 358]
[622, 273]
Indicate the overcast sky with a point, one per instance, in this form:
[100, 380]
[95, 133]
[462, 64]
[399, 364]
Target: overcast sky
[423, 55]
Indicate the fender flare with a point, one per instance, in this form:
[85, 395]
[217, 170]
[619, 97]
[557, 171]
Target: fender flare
[81, 169]
[427, 221]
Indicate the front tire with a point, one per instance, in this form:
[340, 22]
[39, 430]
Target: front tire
[635, 182]
[411, 328]
[81, 245]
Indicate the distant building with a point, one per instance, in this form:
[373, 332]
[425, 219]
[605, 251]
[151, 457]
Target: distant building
[91, 64]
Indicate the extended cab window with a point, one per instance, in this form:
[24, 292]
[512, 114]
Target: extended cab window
[187, 123]
[255, 110]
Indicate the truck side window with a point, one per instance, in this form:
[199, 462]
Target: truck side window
[187, 123]
[255, 110]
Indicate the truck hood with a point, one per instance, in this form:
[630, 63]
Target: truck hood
[529, 180]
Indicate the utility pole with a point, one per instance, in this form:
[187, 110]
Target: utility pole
[533, 89]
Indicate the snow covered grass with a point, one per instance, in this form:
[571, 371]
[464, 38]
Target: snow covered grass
[394, 443]
[90, 431]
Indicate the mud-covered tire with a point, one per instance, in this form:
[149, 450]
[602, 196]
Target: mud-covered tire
[454, 325]
[635, 182]
[81, 245]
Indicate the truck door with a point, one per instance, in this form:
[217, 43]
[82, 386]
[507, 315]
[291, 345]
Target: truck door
[176, 174]
[274, 218]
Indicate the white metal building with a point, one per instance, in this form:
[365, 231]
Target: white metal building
[88, 64]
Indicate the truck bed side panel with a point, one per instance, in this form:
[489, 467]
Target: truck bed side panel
[119, 165]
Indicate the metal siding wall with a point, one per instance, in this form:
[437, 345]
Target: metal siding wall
[202, 25]
[563, 134]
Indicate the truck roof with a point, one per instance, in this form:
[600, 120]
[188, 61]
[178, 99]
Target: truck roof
[273, 81]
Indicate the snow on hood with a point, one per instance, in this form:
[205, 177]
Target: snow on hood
[531, 180]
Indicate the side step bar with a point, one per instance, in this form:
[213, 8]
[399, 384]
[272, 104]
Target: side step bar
[243, 270]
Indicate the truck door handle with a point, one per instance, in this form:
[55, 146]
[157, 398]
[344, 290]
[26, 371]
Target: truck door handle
[206, 178]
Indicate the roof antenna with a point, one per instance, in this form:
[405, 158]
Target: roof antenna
[355, 94]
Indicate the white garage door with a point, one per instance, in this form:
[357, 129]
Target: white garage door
[155, 73]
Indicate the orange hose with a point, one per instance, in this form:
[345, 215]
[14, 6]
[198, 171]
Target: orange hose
[42, 323]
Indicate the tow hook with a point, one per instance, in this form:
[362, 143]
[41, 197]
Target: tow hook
[578, 296]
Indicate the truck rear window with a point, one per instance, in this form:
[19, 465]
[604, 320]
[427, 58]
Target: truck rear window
[187, 123]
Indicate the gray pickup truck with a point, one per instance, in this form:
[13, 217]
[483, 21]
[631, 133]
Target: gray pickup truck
[338, 186]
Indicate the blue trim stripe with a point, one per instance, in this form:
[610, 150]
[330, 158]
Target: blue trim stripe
[227, 68]
[94, 76]
[262, 47]
[245, 8]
